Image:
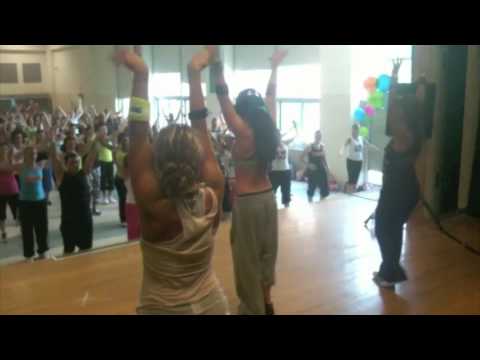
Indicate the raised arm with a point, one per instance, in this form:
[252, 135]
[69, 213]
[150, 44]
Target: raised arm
[234, 122]
[271, 98]
[140, 155]
[58, 167]
[211, 172]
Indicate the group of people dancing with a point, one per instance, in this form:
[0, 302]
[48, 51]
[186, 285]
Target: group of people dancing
[179, 188]
[76, 153]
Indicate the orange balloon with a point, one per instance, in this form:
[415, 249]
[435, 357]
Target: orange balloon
[370, 84]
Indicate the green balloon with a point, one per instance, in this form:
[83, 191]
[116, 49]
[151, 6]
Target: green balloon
[377, 99]
[364, 132]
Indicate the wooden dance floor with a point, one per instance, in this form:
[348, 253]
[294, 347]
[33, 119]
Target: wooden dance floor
[325, 266]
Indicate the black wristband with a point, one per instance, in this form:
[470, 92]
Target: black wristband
[198, 114]
[221, 90]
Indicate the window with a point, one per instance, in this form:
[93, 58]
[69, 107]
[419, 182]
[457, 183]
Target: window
[299, 81]
[306, 114]
[374, 60]
[298, 96]
[8, 74]
[32, 73]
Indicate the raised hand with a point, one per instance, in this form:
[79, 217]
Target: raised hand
[131, 59]
[397, 63]
[278, 57]
[204, 57]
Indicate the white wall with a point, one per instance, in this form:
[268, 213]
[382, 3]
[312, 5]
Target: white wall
[335, 108]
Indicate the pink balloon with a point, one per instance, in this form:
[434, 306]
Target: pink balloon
[369, 110]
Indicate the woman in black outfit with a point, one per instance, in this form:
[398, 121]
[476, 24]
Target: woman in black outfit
[76, 220]
[400, 192]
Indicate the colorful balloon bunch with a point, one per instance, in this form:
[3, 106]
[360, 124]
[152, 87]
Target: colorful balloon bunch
[377, 89]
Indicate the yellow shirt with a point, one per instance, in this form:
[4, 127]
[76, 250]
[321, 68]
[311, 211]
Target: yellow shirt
[105, 154]
[119, 159]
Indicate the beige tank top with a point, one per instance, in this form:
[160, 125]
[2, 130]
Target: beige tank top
[179, 271]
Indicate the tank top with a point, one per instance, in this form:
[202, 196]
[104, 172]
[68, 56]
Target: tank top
[8, 184]
[281, 159]
[17, 156]
[31, 191]
[105, 154]
[355, 149]
[119, 159]
[228, 164]
[316, 155]
[179, 271]
[399, 175]
[75, 196]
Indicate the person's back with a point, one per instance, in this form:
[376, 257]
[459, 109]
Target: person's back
[178, 274]
[178, 214]
[75, 196]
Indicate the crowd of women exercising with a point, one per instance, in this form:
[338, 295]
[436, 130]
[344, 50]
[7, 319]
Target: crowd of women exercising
[76, 153]
[175, 181]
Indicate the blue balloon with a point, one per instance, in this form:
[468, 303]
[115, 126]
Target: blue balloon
[383, 83]
[359, 114]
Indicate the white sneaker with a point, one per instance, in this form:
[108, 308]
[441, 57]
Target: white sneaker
[381, 282]
[112, 201]
[43, 256]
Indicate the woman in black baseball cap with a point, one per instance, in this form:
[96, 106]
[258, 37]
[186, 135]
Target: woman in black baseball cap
[254, 233]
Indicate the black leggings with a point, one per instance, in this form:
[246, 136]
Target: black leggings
[34, 219]
[318, 178]
[12, 201]
[392, 213]
[106, 179]
[353, 169]
[77, 232]
[122, 197]
[282, 179]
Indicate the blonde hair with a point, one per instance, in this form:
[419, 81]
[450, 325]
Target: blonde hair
[177, 161]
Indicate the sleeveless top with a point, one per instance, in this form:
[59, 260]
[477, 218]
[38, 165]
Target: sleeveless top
[316, 155]
[75, 196]
[355, 149]
[179, 271]
[281, 159]
[399, 175]
[119, 159]
[105, 154]
[32, 191]
[8, 184]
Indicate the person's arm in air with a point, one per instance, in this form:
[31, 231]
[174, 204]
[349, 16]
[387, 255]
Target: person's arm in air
[271, 98]
[211, 172]
[140, 155]
[58, 167]
[233, 120]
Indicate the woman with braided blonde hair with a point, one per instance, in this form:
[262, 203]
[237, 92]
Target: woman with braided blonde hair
[178, 187]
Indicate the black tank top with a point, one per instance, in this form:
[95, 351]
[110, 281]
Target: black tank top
[399, 175]
[316, 156]
[75, 196]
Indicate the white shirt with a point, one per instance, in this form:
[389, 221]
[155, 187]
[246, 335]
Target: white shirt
[281, 162]
[228, 165]
[355, 149]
